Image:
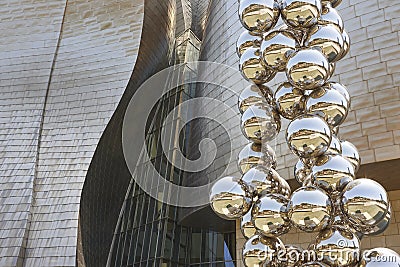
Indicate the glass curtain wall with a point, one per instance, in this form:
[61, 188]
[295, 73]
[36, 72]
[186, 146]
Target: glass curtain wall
[148, 232]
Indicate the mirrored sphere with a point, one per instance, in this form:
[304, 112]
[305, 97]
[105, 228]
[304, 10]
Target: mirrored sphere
[330, 16]
[293, 256]
[307, 69]
[258, 15]
[346, 44]
[301, 13]
[253, 95]
[364, 202]
[301, 171]
[350, 152]
[337, 246]
[276, 47]
[260, 123]
[331, 172]
[261, 251]
[340, 88]
[330, 104]
[310, 209]
[308, 136]
[332, 67]
[377, 229]
[333, 3]
[261, 180]
[230, 198]
[252, 67]
[380, 257]
[269, 215]
[256, 154]
[290, 101]
[246, 226]
[328, 39]
[248, 40]
[335, 147]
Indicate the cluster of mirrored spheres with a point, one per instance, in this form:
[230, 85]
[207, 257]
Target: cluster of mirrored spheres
[330, 201]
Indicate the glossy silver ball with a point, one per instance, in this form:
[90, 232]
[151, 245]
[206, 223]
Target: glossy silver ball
[230, 198]
[260, 251]
[310, 209]
[255, 95]
[276, 47]
[293, 256]
[308, 136]
[301, 171]
[248, 40]
[258, 15]
[330, 104]
[246, 226]
[332, 173]
[307, 69]
[377, 229]
[337, 246]
[328, 39]
[260, 123]
[346, 44]
[256, 154]
[335, 148]
[330, 16]
[332, 67]
[333, 3]
[340, 88]
[261, 180]
[350, 152]
[301, 13]
[270, 215]
[252, 67]
[364, 202]
[380, 257]
[290, 101]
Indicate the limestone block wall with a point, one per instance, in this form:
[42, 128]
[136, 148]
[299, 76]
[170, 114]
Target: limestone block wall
[64, 67]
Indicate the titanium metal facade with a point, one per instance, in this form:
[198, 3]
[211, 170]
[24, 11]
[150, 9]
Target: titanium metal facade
[67, 71]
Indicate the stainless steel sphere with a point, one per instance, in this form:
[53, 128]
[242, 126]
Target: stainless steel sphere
[230, 198]
[276, 47]
[332, 173]
[328, 103]
[246, 226]
[332, 67]
[258, 15]
[269, 215]
[364, 202]
[337, 246]
[256, 154]
[248, 40]
[254, 95]
[333, 3]
[308, 136]
[380, 257]
[301, 171]
[290, 101]
[301, 13]
[252, 67]
[350, 152]
[310, 209]
[307, 69]
[346, 44]
[261, 180]
[335, 148]
[340, 88]
[260, 251]
[328, 39]
[330, 16]
[377, 229]
[260, 123]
